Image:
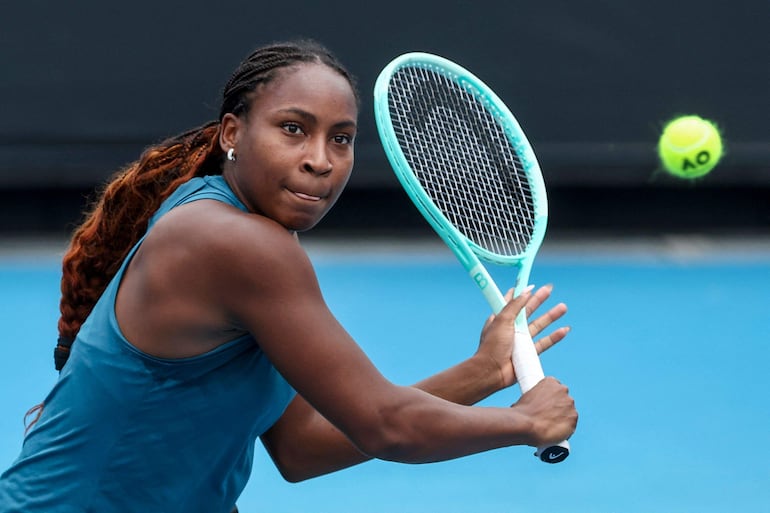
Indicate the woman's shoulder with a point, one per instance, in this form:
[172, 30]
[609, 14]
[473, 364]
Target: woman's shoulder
[224, 237]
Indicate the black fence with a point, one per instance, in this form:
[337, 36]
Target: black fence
[86, 85]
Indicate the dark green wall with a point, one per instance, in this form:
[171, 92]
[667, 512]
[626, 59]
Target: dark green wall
[86, 85]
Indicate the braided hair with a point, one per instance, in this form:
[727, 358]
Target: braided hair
[120, 215]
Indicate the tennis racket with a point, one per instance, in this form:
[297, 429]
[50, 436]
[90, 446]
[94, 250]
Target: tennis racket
[464, 161]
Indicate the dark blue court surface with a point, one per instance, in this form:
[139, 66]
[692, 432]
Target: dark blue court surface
[667, 361]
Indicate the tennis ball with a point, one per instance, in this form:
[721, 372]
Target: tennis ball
[689, 147]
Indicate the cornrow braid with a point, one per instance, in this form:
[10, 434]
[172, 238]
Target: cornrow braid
[262, 64]
[120, 216]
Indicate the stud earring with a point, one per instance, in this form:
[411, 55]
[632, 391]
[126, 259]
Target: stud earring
[231, 154]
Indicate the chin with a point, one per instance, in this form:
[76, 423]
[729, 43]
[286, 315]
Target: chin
[302, 221]
[302, 225]
[310, 220]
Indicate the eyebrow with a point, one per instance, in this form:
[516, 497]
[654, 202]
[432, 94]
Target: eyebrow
[348, 123]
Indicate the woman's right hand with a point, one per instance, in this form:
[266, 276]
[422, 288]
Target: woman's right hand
[550, 410]
[497, 336]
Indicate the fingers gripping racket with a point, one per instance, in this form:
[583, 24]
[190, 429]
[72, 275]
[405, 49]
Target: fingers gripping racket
[464, 161]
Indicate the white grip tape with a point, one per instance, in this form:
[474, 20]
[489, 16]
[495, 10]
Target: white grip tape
[529, 372]
[526, 363]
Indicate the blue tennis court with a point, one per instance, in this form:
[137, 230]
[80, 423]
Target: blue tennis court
[667, 361]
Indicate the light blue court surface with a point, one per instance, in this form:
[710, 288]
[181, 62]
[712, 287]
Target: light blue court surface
[668, 360]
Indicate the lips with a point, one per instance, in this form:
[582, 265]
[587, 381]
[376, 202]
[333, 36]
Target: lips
[306, 196]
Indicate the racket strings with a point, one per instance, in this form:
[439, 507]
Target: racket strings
[463, 159]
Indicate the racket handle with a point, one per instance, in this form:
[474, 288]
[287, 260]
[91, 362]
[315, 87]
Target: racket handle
[529, 372]
[553, 453]
[526, 363]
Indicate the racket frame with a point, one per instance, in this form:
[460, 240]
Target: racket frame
[525, 359]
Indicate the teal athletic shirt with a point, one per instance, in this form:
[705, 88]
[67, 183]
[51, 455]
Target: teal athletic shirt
[124, 432]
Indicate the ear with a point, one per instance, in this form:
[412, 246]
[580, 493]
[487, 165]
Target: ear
[230, 132]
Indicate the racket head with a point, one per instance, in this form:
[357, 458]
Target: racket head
[434, 119]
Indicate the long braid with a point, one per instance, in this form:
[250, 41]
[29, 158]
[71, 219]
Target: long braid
[121, 215]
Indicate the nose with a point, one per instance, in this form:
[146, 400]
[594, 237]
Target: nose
[317, 158]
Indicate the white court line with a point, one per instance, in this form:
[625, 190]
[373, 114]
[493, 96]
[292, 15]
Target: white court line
[676, 248]
[672, 248]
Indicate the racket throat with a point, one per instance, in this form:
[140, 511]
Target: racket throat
[488, 287]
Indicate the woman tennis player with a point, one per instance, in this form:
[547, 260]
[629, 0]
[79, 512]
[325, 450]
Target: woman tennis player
[192, 324]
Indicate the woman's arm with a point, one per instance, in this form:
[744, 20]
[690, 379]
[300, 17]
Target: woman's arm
[266, 285]
[303, 444]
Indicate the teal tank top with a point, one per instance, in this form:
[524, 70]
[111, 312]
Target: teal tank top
[123, 431]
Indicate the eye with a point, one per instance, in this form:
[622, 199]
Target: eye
[342, 139]
[293, 128]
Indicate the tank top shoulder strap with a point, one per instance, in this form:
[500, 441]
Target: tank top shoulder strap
[204, 187]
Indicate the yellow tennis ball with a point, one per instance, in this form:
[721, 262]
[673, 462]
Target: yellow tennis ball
[690, 146]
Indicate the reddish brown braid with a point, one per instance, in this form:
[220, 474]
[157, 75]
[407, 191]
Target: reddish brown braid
[121, 214]
[120, 217]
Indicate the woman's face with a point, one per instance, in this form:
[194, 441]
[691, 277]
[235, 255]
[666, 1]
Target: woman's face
[294, 149]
